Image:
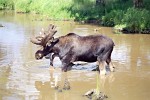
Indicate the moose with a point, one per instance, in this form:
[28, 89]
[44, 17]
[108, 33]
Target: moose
[72, 47]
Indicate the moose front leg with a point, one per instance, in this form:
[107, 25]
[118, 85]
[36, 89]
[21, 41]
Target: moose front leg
[66, 66]
[52, 56]
[67, 62]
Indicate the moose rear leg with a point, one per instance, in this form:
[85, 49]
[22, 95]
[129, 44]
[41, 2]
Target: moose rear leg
[102, 67]
[110, 64]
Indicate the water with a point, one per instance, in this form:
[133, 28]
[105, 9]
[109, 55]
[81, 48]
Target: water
[24, 78]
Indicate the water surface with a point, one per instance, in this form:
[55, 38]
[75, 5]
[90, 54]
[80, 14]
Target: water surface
[24, 78]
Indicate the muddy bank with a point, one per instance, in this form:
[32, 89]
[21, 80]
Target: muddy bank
[120, 29]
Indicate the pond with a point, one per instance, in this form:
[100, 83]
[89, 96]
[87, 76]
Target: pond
[24, 78]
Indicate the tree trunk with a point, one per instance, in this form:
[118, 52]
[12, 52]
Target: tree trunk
[100, 2]
[138, 3]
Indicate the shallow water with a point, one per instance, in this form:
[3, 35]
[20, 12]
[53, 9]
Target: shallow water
[24, 78]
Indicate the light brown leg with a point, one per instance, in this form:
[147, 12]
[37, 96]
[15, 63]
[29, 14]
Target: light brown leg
[51, 67]
[102, 67]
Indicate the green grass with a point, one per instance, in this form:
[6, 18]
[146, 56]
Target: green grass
[115, 12]
[6, 4]
[54, 9]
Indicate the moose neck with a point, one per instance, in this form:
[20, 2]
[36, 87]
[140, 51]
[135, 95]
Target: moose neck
[60, 47]
[55, 47]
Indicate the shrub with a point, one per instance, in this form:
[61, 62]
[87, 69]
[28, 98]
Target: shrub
[114, 12]
[136, 19]
[22, 6]
[82, 10]
[133, 20]
[6, 4]
[113, 18]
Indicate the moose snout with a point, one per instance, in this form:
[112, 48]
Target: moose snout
[38, 55]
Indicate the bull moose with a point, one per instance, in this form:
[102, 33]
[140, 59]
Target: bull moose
[72, 47]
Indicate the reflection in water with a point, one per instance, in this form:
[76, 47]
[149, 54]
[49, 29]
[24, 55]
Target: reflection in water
[24, 78]
[44, 89]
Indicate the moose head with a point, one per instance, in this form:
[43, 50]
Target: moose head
[45, 40]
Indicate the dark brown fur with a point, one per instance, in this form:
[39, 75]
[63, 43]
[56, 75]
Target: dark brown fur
[72, 47]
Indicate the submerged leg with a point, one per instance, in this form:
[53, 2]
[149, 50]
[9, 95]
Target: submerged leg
[66, 85]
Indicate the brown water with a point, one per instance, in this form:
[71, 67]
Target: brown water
[24, 78]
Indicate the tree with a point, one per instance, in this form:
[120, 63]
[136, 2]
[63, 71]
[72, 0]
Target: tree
[138, 3]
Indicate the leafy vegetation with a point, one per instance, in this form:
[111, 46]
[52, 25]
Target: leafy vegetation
[54, 9]
[131, 20]
[133, 17]
[6, 4]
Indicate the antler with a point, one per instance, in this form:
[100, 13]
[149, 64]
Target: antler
[44, 36]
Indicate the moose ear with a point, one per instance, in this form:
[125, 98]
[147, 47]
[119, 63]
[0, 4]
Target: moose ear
[52, 41]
